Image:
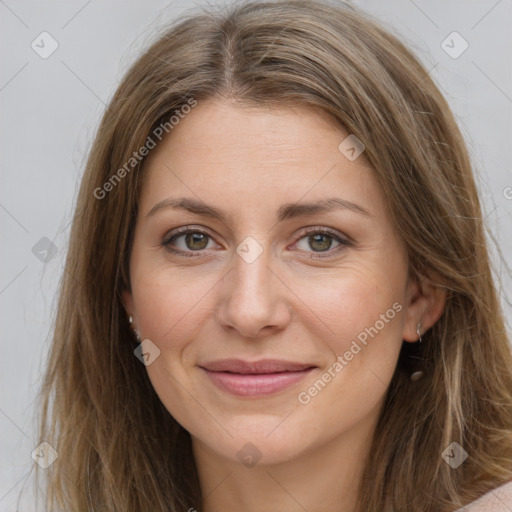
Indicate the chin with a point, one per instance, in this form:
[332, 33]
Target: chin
[258, 437]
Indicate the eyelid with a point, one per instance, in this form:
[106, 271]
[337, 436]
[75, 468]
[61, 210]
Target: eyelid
[183, 230]
[326, 230]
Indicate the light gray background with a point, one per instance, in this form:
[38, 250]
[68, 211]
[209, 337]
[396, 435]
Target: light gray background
[50, 109]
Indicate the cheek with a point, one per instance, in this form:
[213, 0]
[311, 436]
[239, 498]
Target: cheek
[169, 305]
[360, 324]
[360, 303]
[172, 308]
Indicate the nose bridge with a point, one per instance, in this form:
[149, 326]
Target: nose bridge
[251, 300]
[251, 276]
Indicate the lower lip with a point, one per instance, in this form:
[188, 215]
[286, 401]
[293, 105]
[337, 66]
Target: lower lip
[256, 384]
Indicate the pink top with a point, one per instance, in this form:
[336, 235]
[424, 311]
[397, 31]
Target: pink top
[497, 500]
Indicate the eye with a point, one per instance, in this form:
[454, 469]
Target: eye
[321, 240]
[191, 242]
[186, 240]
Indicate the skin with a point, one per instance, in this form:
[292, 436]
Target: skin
[287, 304]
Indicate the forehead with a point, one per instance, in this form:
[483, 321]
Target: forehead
[222, 147]
[223, 128]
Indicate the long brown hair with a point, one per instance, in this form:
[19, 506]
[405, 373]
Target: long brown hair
[118, 448]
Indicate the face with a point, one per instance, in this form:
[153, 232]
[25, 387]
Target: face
[269, 280]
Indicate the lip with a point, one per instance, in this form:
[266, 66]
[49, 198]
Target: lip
[256, 378]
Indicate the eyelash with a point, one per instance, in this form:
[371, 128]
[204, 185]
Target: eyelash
[314, 230]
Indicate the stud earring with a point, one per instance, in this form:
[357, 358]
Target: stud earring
[136, 332]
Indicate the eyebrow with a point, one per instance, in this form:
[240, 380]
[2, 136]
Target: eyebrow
[286, 211]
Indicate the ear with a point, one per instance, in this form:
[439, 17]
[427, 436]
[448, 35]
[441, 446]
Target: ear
[425, 303]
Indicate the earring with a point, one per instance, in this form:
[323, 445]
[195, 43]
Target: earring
[418, 330]
[418, 374]
[136, 332]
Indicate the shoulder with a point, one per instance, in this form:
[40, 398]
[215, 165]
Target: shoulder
[497, 500]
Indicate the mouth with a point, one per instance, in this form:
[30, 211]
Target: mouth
[257, 378]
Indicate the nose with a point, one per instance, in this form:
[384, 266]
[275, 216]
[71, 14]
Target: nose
[253, 300]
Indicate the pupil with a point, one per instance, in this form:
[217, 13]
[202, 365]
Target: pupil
[196, 241]
[324, 242]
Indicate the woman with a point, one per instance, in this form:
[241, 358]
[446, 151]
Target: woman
[277, 293]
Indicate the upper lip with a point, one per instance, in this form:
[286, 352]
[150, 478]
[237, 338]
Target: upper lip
[252, 367]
